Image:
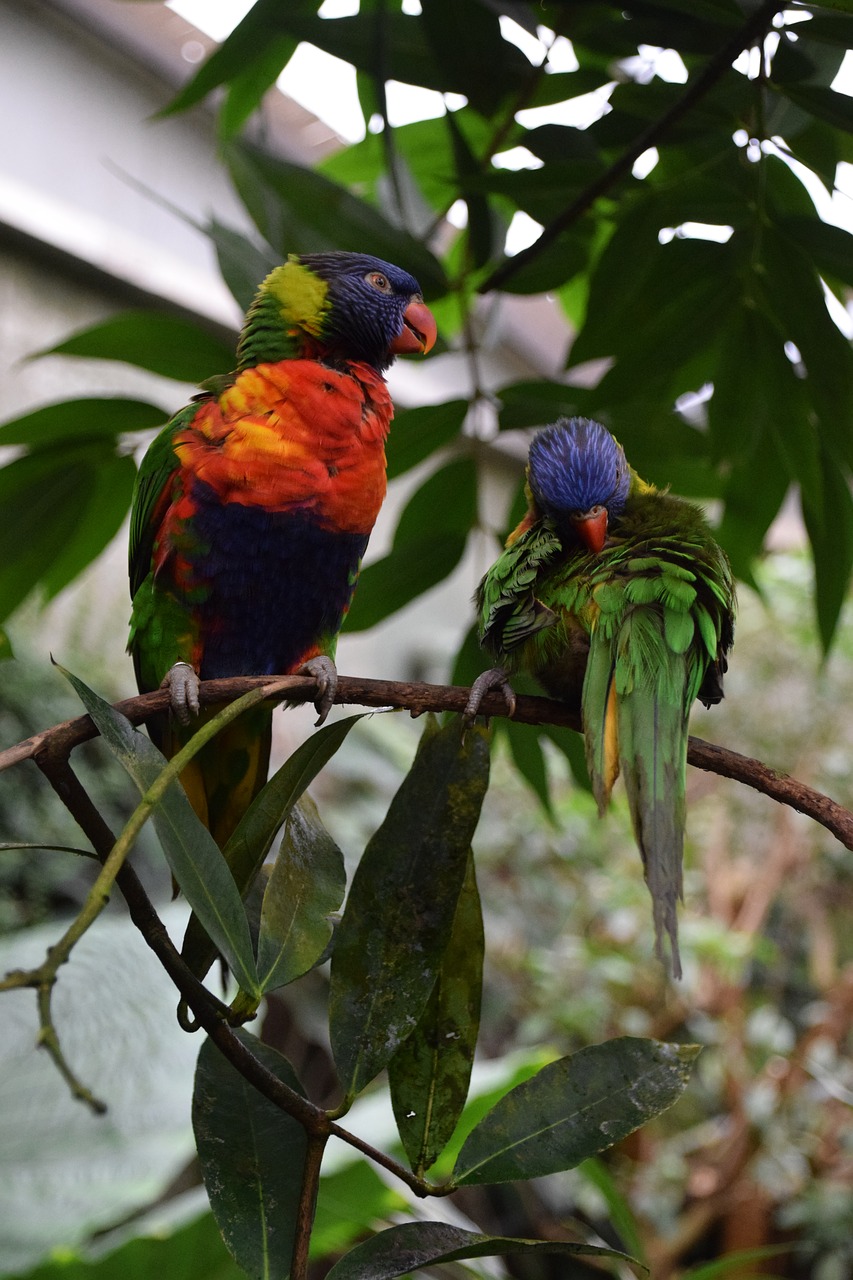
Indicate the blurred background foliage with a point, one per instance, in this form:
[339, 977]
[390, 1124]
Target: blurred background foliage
[685, 248]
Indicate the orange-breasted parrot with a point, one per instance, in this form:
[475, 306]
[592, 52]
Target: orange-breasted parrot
[253, 507]
[617, 598]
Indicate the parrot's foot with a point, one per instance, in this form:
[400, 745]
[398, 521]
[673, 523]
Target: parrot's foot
[325, 673]
[495, 678]
[182, 683]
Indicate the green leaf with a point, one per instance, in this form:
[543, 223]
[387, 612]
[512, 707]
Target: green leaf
[190, 850]
[446, 501]
[299, 210]
[571, 745]
[53, 519]
[529, 759]
[252, 1156]
[830, 530]
[835, 108]
[738, 410]
[429, 542]
[307, 884]
[242, 262]
[574, 1108]
[165, 344]
[6, 651]
[397, 922]
[350, 1202]
[407, 1248]
[467, 44]
[246, 88]
[795, 297]
[554, 265]
[482, 228]
[751, 508]
[182, 1251]
[97, 524]
[833, 28]
[469, 661]
[430, 1072]
[251, 840]
[673, 320]
[426, 148]
[596, 1172]
[535, 404]
[79, 420]
[735, 1263]
[238, 54]
[409, 571]
[829, 247]
[418, 433]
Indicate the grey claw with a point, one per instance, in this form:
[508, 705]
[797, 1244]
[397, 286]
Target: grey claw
[183, 684]
[495, 678]
[325, 673]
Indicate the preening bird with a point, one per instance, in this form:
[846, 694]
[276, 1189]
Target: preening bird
[253, 507]
[617, 598]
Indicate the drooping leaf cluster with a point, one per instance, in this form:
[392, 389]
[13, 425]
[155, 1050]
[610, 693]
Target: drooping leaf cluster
[717, 361]
[405, 987]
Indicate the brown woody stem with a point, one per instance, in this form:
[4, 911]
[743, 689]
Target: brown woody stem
[418, 698]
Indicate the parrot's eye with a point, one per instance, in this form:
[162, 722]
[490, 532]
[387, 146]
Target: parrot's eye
[379, 281]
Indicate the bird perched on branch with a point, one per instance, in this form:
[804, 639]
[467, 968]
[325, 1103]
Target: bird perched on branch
[253, 507]
[616, 597]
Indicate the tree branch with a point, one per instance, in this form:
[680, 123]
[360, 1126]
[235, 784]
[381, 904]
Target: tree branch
[715, 67]
[209, 1012]
[418, 698]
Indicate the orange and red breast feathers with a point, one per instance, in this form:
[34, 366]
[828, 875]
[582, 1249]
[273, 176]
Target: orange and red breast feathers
[295, 435]
[257, 515]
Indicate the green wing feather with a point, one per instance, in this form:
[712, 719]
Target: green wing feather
[151, 492]
[655, 611]
[510, 613]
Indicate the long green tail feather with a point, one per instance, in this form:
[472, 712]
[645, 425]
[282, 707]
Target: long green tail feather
[653, 758]
[601, 741]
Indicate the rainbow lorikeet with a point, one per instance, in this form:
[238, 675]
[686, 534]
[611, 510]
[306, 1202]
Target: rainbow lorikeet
[253, 507]
[616, 597]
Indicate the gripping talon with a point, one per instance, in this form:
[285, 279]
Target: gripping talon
[495, 678]
[325, 673]
[183, 685]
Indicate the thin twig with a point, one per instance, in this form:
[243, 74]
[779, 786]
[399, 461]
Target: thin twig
[755, 26]
[418, 698]
[307, 1206]
[209, 1012]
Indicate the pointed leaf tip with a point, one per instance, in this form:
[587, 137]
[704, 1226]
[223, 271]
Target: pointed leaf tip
[573, 1108]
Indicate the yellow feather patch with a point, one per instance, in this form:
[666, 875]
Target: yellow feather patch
[193, 783]
[301, 295]
[610, 753]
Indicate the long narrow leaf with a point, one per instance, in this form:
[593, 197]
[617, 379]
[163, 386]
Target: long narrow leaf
[252, 1156]
[574, 1108]
[82, 419]
[307, 884]
[391, 940]
[252, 838]
[165, 344]
[404, 1249]
[430, 1073]
[193, 855]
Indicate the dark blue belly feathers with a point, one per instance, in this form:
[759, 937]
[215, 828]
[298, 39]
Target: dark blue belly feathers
[274, 584]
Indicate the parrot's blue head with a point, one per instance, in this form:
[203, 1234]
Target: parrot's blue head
[577, 471]
[374, 310]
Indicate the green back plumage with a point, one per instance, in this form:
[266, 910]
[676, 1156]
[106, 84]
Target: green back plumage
[634, 633]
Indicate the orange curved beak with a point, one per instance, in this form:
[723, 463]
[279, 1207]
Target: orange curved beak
[591, 528]
[419, 330]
